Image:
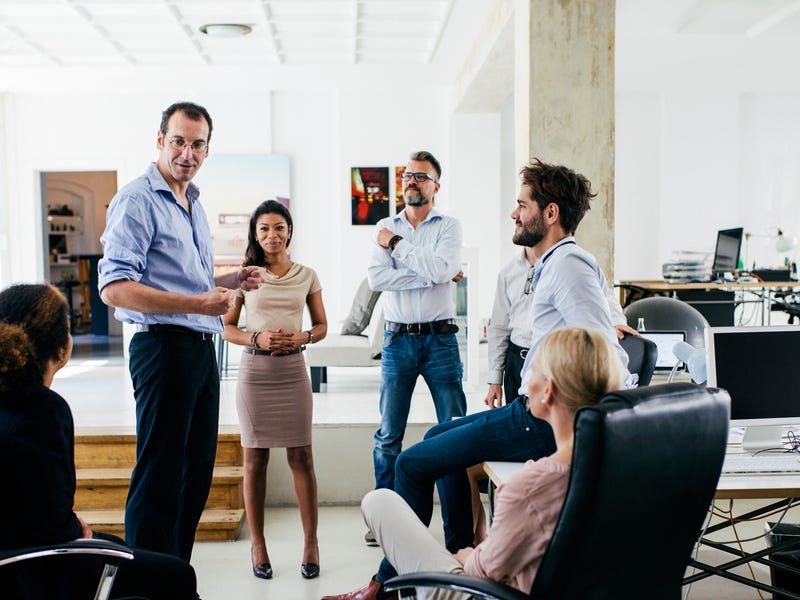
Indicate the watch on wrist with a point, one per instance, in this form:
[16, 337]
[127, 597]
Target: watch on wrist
[310, 337]
[394, 241]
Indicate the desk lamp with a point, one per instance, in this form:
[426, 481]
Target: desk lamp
[693, 358]
[783, 242]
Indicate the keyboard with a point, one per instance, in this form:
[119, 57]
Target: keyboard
[747, 464]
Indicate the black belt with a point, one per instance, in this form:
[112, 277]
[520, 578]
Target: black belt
[259, 351]
[161, 328]
[513, 348]
[434, 327]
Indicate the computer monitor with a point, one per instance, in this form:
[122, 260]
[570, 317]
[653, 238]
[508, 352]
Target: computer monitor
[757, 366]
[726, 254]
[665, 342]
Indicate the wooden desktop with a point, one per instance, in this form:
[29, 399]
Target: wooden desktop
[762, 292]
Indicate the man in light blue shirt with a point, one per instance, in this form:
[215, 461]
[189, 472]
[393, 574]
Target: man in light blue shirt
[157, 271]
[415, 259]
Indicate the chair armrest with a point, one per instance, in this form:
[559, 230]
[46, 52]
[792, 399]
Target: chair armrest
[484, 588]
[82, 546]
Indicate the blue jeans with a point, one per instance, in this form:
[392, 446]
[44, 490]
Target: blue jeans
[509, 433]
[403, 358]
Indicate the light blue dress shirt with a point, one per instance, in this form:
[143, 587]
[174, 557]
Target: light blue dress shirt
[569, 290]
[151, 239]
[418, 273]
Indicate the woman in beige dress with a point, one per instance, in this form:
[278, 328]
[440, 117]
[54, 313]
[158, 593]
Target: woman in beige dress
[273, 396]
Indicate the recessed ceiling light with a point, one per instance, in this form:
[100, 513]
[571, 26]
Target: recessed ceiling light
[226, 30]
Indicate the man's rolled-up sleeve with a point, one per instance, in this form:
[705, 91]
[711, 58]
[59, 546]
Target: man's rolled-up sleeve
[126, 240]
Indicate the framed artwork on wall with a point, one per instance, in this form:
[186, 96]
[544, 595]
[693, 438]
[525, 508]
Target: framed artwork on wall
[399, 202]
[369, 194]
[231, 187]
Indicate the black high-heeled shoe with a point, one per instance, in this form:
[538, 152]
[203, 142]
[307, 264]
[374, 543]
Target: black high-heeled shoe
[309, 570]
[262, 570]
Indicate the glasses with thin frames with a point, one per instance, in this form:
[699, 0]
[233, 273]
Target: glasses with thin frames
[418, 177]
[197, 146]
[529, 280]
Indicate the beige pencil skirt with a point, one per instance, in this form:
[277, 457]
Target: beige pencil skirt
[274, 401]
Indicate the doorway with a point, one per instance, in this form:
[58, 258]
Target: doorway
[74, 205]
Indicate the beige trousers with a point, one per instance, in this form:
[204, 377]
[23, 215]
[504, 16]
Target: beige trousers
[405, 541]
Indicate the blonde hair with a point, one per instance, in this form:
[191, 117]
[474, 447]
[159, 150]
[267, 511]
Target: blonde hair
[581, 363]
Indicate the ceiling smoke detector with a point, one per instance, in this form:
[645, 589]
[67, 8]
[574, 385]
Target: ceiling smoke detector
[225, 30]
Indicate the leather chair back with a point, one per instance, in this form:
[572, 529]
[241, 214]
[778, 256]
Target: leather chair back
[642, 356]
[645, 467]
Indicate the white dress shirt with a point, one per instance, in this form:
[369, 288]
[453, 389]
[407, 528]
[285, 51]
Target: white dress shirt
[416, 276]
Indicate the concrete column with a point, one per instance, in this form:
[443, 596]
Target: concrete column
[564, 101]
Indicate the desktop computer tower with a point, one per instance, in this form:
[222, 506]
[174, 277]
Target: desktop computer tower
[717, 306]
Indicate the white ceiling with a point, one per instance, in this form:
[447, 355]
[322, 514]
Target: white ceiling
[80, 33]
[57, 36]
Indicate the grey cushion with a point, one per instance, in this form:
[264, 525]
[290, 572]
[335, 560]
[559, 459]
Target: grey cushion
[361, 310]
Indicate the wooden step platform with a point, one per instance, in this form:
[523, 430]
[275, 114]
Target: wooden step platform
[104, 459]
[101, 489]
[216, 525]
[113, 450]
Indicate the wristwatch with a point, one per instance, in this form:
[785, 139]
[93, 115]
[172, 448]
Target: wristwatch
[310, 337]
[394, 241]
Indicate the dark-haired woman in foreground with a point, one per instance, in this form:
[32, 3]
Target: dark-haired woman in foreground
[38, 468]
[273, 397]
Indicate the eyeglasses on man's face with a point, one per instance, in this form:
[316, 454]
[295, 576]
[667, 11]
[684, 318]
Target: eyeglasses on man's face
[197, 146]
[529, 280]
[418, 177]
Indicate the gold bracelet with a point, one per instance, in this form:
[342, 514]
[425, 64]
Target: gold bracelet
[310, 337]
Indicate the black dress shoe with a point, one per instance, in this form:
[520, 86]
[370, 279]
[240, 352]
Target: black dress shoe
[263, 571]
[309, 570]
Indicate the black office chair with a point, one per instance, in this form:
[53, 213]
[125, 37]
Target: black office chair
[29, 572]
[642, 355]
[645, 467]
[662, 313]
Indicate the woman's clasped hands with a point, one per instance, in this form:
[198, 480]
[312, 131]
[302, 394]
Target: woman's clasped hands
[278, 341]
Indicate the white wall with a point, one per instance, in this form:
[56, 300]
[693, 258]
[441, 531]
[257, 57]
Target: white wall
[474, 195]
[325, 125]
[637, 189]
[769, 194]
[693, 161]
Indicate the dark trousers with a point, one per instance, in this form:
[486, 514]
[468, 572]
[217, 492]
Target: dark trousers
[176, 386]
[512, 376]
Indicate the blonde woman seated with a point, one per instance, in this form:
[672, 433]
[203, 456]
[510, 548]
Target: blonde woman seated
[572, 368]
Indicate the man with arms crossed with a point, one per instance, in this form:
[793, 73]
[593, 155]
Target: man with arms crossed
[416, 255]
[157, 271]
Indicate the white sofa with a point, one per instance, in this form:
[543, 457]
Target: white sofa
[338, 350]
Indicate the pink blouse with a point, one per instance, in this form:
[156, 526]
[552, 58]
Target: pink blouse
[526, 510]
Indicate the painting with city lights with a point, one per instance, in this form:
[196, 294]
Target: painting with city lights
[369, 193]
[399, 202]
